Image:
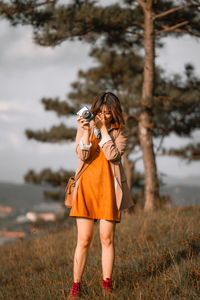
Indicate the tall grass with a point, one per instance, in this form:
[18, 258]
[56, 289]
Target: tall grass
[157, 257]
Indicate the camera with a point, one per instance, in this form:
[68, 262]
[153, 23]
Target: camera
[85, 113]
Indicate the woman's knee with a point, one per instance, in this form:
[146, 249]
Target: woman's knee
[106, 240]
[85, 232]
[84, 242]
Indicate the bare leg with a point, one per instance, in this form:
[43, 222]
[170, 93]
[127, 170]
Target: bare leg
[107, 231]
[85, 233]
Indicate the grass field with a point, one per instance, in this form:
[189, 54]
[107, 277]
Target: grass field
[157, 257]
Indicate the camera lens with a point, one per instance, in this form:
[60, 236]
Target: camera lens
[86, 114]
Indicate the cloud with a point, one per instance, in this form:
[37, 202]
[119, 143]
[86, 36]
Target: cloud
[14, 138]
[19, 52]
[175, 54]
[15, 163]
[17, 116]
[5, 117]
[29, 72]
[26, 49]
[14, 105]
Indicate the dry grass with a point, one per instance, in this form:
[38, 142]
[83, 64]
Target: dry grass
[157, 257]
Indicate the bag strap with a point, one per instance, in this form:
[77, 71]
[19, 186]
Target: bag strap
[86, 164]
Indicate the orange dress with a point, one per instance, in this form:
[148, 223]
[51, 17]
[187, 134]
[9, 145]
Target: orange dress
[95, 196]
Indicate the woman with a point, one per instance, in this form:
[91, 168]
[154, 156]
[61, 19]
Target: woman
[101, 191]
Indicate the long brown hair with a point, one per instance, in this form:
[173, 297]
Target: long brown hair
[112, 102]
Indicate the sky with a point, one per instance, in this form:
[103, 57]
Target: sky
[29, 72]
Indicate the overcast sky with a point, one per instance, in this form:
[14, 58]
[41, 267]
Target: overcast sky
[29, 72]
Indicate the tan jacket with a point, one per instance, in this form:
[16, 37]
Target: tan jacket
[113, 151]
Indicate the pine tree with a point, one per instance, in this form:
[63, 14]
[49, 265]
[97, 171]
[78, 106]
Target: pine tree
[186, 113]
[178, 113]
[176, 104]
[130, 25]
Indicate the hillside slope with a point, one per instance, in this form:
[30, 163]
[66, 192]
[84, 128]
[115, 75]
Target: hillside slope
[157, 257]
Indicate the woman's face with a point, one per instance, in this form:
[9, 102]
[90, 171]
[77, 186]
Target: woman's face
[104, 110]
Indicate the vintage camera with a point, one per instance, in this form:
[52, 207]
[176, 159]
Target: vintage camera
[85, 113]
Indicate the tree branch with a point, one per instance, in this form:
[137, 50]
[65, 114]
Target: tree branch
[141, 3]
[160, 144]
[172, 28]
[140, 25]
[140, 157]
[136, 33]
[190, 157]
[186, 31]
[170, 11]
[149, 4]
[176, 121]
[13, 11]
[193, 33]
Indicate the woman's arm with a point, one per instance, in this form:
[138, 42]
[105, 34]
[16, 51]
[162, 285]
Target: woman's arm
[83, 144]
[114, 148]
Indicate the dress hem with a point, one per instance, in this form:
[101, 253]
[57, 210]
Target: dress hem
[93, 218]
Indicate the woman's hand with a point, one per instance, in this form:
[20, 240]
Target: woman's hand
[86, 130]
[83, 124]
[100, 121]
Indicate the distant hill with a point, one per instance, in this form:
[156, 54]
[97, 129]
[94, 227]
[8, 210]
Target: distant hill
[185, 181]
[22, 197]
[184, 191]
[28, 197]
[182, 195]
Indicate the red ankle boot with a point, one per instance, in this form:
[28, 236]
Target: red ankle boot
[107, 287]
[75, 291]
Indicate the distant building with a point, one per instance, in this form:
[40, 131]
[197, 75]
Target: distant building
[32, 216]
[5, 210]
[47, 216]
[22, 219]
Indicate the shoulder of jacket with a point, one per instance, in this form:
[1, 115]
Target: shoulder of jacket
[123, 130]
[116, 132]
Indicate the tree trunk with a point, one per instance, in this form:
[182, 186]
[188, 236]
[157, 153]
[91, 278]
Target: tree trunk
[145, 122]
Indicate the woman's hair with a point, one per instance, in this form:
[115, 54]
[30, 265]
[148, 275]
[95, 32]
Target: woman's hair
[113, 103]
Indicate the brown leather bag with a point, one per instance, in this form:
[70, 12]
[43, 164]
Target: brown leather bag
[69, 191]
[70, 187]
